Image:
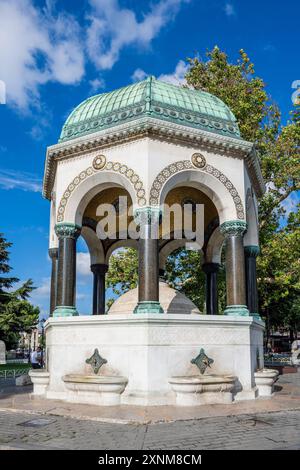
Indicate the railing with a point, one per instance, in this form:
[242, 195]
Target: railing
[12, 373]
[16, 361]
[277, 358]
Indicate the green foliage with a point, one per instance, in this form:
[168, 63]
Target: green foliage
[278, 145]
[123, 272]
[16, 313]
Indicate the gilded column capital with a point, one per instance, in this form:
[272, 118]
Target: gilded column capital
[252, 251]
[67, 230]
[233, 228]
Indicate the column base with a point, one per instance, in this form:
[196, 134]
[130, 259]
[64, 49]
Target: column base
[148, 307]
[65, 311]
[255, 315]
[237, 311]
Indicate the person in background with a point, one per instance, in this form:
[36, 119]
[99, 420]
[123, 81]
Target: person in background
[35, 358]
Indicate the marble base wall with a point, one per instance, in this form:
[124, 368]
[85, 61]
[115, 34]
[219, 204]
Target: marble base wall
[148, 349]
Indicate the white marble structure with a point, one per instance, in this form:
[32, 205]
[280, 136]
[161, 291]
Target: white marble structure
[157, 144]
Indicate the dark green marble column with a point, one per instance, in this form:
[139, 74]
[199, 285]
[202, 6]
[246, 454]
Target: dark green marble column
[53, 253]
[251, 253]
[99, 271]
[233, 232]
[67, 234]
[148, 289]
[211, 287]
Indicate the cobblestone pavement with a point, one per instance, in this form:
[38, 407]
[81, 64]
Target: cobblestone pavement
[262, 431]
[273, 430]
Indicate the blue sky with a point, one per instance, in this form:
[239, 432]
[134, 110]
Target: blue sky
[54, 54]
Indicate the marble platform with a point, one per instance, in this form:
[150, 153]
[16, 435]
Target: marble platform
[148, 349]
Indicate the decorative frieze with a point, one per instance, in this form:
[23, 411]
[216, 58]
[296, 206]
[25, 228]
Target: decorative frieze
[100, 164]
[182, 165]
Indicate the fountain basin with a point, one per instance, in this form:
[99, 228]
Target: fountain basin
[40, 380]
[201, 390]
[102, 390]
[264, 380]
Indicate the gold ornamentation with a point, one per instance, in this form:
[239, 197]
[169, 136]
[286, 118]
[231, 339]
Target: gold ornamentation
[99, 162]
[182, 165]
[198, 160]
[109, 166]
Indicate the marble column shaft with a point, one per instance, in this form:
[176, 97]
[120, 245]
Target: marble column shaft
[148, 287]
[235, 267]
[99, 271]
[53, 253]
[251, 253]
[66, 274]
[211, 287]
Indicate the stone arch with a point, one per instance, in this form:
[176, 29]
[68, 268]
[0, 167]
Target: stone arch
[213, 183]
[168, 248]
[127, 243]
[86, 185]
[252, 235]
[214, 247]
[94, 245]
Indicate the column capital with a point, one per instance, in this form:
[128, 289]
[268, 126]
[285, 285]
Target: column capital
[210, 267]
[67, 230]
[53, 253]
[99, 268]
[233, 228]
[147, 215]
[252, 251]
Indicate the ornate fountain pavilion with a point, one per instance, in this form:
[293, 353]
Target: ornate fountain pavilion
[157, 144]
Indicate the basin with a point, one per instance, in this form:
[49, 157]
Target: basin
[264, 380]
[197, 390]
[102, 390]
[40, 380]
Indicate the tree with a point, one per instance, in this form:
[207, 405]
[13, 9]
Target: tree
[278, 145]
[17, 314]
[259, 120]
[123, 272]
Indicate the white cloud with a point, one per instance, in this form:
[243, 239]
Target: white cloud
[176, 77]
[10, 179]
[111, 28]
[37, 46]
[83, 264]
[138, 75]
[41, 294]
[97, 84]
[229, 9]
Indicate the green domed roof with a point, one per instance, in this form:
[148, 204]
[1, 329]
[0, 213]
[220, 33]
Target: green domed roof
[152, 98]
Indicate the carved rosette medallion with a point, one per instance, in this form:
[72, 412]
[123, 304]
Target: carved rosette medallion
[198, 160]
[99, 162]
